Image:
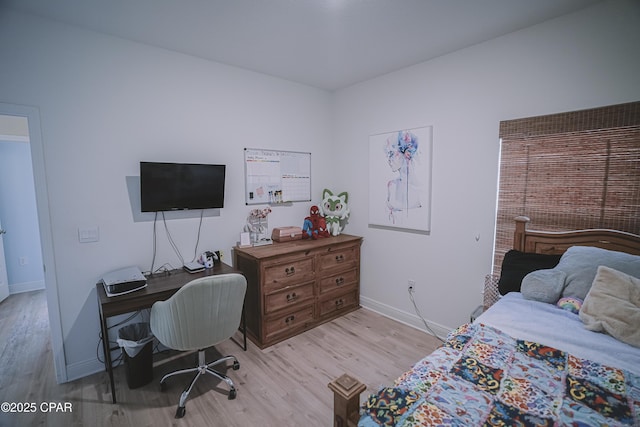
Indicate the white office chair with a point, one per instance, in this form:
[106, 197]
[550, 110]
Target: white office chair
[203, 313]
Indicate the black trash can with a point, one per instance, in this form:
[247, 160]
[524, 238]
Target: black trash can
[136, 341]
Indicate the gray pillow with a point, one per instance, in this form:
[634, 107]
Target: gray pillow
[544, 285]
[580, 263]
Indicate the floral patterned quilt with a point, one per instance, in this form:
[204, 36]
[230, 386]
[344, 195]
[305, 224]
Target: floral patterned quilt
[483, 377]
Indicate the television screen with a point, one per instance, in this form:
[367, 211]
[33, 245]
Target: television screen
[178, 186]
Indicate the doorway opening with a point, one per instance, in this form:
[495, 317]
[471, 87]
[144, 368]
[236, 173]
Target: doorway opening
[22, 260]
[46, 256]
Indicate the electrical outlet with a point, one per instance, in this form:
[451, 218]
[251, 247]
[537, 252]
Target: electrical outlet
[411, 285]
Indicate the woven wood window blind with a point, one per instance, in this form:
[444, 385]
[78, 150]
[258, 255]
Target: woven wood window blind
[570, 171]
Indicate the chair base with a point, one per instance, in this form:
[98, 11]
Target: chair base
[202, 368]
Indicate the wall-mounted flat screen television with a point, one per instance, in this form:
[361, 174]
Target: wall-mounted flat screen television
[179, 186]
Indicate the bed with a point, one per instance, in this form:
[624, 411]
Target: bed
[563, 348]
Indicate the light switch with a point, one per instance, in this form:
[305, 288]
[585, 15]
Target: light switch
[88, 235]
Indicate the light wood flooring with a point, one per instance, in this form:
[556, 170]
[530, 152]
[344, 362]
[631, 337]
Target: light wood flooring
[283, 385]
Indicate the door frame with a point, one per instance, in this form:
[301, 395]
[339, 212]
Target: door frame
[46, 236]
[4, 280]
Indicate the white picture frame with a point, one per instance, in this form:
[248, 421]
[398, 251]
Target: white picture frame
[400, 179]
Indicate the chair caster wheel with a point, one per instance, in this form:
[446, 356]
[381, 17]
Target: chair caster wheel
[232, 394]
[236, 365]
[180, 411]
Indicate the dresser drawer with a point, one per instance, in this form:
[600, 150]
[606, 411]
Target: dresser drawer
[338, 281]
[288, 323]
[291, 273]
[339, 258]
[288, 297]
[338, 303]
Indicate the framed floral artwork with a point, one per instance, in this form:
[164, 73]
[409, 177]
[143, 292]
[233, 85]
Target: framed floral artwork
[400, 179]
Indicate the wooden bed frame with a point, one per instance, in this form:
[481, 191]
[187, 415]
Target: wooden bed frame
[549, 242]
[346, 407]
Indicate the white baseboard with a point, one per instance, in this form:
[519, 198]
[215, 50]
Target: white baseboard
[403, 317]
[18, 288]
[83, 369]
[93, 366]
[89, 367]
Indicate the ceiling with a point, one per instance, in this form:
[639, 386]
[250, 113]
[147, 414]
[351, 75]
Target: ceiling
[329, 44]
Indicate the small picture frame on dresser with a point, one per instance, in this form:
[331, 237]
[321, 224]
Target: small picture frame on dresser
[245, 240]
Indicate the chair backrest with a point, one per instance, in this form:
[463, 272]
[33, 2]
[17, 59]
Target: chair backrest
[201, 314]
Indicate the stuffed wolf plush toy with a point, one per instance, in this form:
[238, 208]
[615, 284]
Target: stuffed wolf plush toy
[335, 210]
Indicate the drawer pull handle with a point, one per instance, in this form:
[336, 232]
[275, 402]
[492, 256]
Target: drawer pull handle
[289, 319]
[339, 258]
[290, 270]
[339, 281]
[291, 297]
[339, 302]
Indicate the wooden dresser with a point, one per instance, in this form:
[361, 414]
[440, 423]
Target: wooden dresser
[295, 286]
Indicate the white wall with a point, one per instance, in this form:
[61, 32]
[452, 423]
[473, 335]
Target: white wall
[105, 104]
[584, 60]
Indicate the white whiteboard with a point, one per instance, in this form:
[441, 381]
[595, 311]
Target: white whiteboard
[273, 176]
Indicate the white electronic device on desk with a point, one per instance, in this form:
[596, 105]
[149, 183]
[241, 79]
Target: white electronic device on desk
[123, 281]
[194, 267]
